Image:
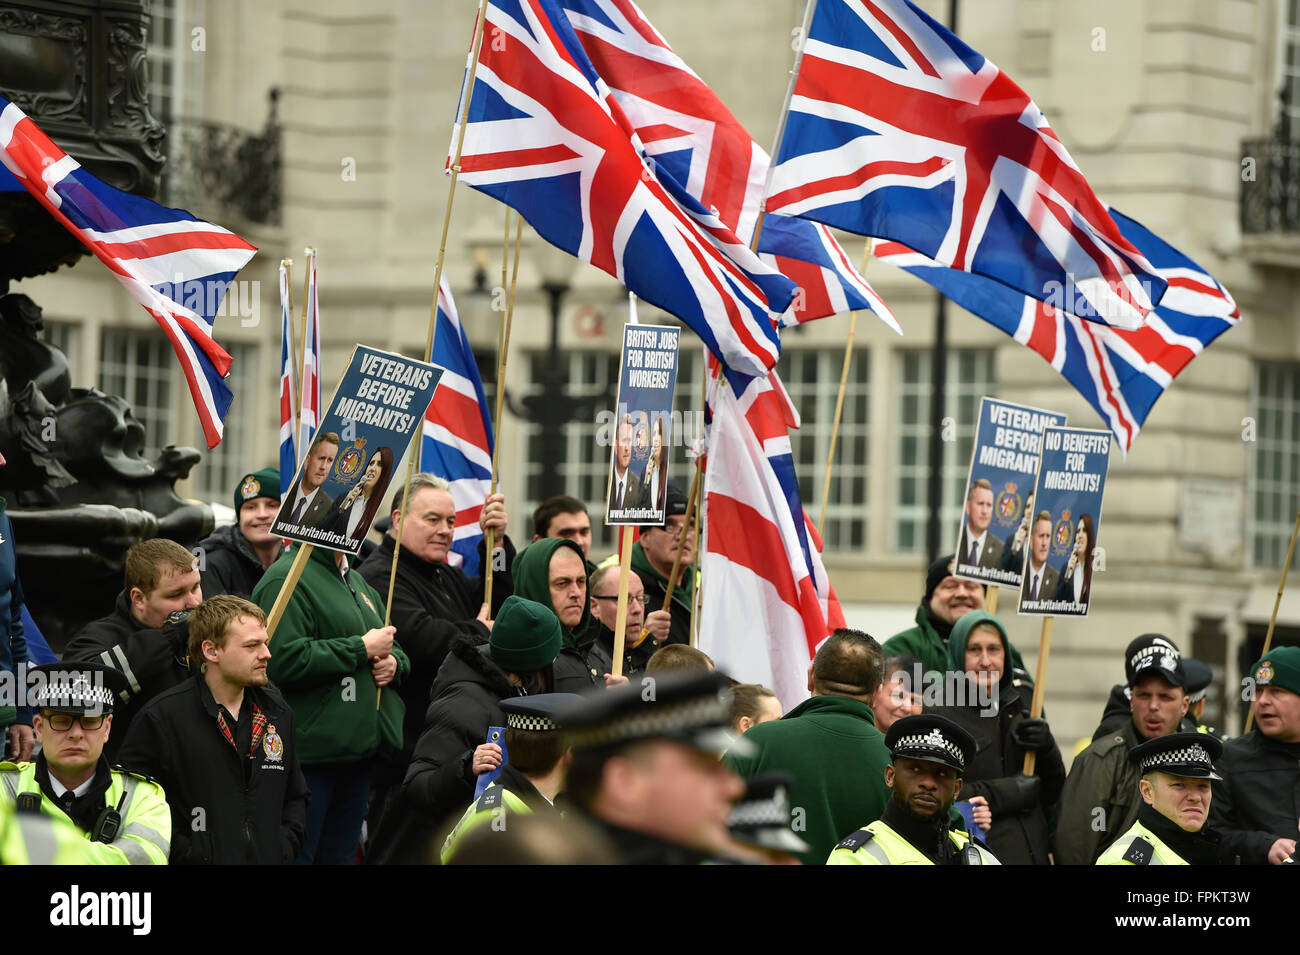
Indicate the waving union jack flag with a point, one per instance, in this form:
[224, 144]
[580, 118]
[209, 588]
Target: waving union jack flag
[457, 441]
[176, 266]
[1120, 373]
[691, 133]
[545, 136]
[899, 130]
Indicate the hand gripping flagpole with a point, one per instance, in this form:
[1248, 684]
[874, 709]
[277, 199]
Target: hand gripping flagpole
[781, 121]
[839, 399]
[503, 348]
[1272, 621]
[476, 46]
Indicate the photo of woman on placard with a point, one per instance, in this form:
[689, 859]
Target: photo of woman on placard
[1076, 575]
[355, 510]
[655, 477]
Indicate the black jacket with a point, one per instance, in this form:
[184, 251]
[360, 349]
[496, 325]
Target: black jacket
[439, 783]
[1020, 834]
[1258, 800]
[229, 564]
[433, 604]
[579, 668]
[152, 660]
[634, 660]
[253, 810]
[1119, 711]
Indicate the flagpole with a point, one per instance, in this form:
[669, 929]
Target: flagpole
[620, 618]
[295, 359]
[781, 121]
[1040, 676]
[1277, 602]
[310, 252]
[476, 47]
[839, 399]
[699, 555]
[503, 348]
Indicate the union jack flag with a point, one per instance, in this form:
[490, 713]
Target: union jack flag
[309, 412]
[457, 441]
[545, 136]
[1120, 373]
[690, 132]
[897, 129]
[288, 382]
[176, 266]
[762, 616]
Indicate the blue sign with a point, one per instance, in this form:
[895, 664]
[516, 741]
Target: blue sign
[638, 471]
[999, 500]
[340, 485]
[1060, 561]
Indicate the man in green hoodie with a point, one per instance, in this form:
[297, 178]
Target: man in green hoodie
[332, 655]
[945, 600]
[552, 572]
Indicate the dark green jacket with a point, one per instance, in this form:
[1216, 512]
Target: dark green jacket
[924, 643]
[1100, 801]
[580, 664]
[838, 758]
[319, 662]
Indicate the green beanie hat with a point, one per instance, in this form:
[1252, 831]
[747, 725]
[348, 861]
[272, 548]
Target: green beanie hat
[263, 483]
[526, 636]
[1279, 667]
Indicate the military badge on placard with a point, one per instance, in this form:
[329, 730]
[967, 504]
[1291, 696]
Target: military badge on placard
[1265, 672]
[272, 744]
[1009, 505]
[349, 462]
[1061, 534]
[250, 488]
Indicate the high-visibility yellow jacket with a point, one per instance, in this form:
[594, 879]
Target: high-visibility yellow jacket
[33, 838]
[878, 844]
[1139, 846]
[145, 835]
[491, 808]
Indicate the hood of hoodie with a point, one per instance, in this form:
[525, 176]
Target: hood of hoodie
[531, 573]
[961, 631]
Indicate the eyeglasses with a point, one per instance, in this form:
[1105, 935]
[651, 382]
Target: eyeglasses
[62, 722]
[642, 599]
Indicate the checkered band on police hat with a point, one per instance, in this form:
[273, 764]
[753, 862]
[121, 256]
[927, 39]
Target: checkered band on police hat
[1190, 755]
[666, 718]
[761, 812]
[75, 692]
[933, 741]
[529, 721]
[1194, 755]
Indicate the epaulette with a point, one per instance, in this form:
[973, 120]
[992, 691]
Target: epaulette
[856, 840]
[141, 776]
[1107, 743]
[1140, 852]
[6, 766]
[492, 797]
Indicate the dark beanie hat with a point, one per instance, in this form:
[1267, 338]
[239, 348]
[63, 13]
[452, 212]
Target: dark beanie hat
[263, 483]
[526, 636]
[940, 569]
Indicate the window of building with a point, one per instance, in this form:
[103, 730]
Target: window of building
[812, 378]
[1275, 465]
[215, 477]
[175, 68]
[140, 367]
[1290, 65]
[970, 376]
[66, 337]
[584, 467]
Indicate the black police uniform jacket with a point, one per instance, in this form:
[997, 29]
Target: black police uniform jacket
[1020, 834]
[439, 784]
[230, 565]
[1258, 800]
[227, 808]
[153, 660]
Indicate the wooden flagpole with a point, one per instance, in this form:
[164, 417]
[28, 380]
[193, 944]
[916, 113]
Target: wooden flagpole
[310, 252]
[699, 507]
[1277, 602]
[1040, 676]
[991, 601]
[839, 399]
[620, 620]
[295, 357]
[437, 282]
[781, 122]
[503, 348]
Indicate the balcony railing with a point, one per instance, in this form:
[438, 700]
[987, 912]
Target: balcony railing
[1270, 187]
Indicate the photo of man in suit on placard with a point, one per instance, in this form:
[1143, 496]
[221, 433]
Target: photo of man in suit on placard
[977, 547]
[307, 503]
[1041, 579]
[624, 486]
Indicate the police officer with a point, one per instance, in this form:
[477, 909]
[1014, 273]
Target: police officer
[761, 820]
[929, 757]
[646, 770]
[124, 816]
[537, 759]
[1175, 787]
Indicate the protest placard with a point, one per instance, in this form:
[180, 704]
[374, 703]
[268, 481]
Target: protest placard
[1059, 563]
[638, 472]
[339, 488]
[999, 491]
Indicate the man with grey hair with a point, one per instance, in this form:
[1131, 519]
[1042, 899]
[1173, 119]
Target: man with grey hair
[433, 601]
